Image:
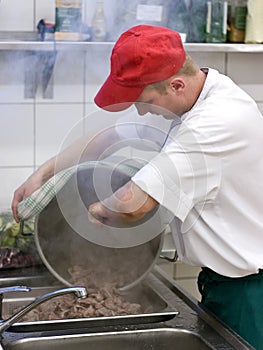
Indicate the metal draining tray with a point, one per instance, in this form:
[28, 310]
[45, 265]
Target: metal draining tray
[154, 306]
[35, 276]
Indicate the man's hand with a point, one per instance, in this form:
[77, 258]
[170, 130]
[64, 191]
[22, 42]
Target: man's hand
[99, 215]
[126, 205]
[26, 189]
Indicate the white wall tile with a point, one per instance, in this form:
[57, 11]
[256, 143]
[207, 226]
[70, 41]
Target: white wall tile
[96, 119]
[91, 91]
[190, 286]
[97, 69]
[57, 125]
[210, 59]
[260, 106]
[12, 75]
[17, 139]
[10, 180]
[16, 15]
[97, 65]
[45, 9]
[167, 267]
[90, 110]
[182, 270]
[245, 68]
[254, 90]
[68, 78]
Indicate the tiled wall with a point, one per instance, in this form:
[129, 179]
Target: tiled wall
[33, 129]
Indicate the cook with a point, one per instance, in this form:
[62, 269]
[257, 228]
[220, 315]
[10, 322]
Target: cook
[208, 173]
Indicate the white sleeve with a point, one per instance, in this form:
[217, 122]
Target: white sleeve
[185, 174]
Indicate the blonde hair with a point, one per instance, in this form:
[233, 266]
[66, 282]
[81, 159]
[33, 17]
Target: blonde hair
[189, 68]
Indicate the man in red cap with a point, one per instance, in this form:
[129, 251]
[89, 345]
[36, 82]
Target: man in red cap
[208, 174]
[137, 60]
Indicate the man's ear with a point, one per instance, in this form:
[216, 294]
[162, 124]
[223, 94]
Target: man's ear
[177, 84]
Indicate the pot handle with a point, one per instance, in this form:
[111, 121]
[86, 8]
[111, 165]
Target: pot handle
[21, 230]
[175, 257]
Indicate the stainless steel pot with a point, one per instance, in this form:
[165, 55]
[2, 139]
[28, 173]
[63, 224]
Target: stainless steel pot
[65, 238]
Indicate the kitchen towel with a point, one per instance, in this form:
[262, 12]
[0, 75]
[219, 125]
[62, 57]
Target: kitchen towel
[38, 200]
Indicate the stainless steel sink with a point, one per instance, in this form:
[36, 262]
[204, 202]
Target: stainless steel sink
[154, 309]
[192, 329]
[153, 339]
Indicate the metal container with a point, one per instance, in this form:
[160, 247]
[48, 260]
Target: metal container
[154, 309]
[65, 238]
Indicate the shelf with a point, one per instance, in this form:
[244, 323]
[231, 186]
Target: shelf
[226, 48]
[50, 45]
[84, 46]
[29, 41]
[26, 46]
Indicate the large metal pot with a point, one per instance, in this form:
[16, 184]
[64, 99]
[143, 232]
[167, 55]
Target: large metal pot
[65, 238]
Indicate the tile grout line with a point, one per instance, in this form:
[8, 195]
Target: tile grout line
[34, 15]
[34, 135]
[34, 101]
[15, 166]
[84, 93]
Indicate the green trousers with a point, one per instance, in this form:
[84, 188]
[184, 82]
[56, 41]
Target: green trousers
[238, 302]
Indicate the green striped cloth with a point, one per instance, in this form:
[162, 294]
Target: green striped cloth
[37, 201]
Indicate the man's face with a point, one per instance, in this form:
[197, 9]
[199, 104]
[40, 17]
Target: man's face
[154, 102]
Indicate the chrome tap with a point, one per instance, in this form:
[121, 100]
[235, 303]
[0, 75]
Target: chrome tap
[10, 289]
[78, 291]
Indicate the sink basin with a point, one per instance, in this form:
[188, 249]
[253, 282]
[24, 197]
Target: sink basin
[153, 339]
[154, 309]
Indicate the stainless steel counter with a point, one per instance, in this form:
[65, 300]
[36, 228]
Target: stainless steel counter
[193, 325]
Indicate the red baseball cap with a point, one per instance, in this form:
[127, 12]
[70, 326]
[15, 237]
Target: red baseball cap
[142, 55]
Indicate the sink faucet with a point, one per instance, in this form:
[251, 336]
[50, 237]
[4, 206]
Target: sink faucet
[78, 291]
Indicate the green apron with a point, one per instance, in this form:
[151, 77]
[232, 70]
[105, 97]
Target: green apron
[238, 302]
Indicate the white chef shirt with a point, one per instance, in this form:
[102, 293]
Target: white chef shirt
[209, 174]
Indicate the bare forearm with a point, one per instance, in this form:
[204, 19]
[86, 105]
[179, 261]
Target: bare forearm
[84, 149]
[126, 205]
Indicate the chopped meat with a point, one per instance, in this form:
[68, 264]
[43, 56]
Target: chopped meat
[102, 300]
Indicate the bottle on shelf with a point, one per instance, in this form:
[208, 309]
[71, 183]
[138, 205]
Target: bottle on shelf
[254, 23]
[98, 25]
[216, 21]
[135, 12]
[68, 19]
[188, 17]
[237, 21]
